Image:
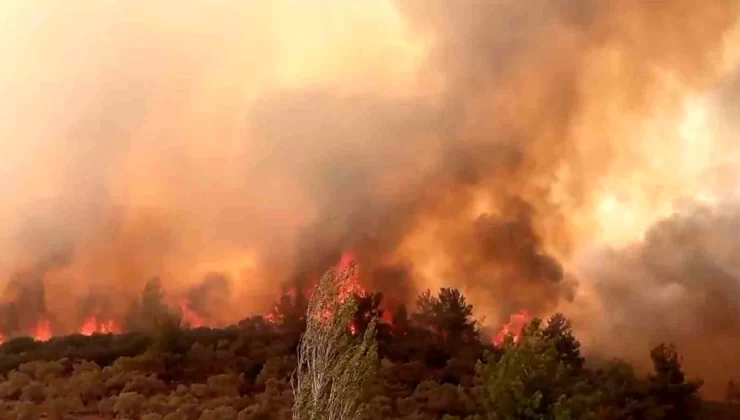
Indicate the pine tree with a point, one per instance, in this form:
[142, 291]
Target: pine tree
[449, 315]
[669, 386]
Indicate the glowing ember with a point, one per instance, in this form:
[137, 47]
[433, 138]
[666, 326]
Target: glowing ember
[42, 331]
[2, 339]
[325, 315]
[386, 317]
[272, 317]
[517, 320]
[275, 315]
[189, 316]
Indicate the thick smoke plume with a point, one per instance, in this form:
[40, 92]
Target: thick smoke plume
[681, 284]
[484, 145]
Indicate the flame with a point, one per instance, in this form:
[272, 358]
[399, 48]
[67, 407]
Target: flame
[42, 330]
[345, 260]
[93, 325]
[109, 327]
[349, 286]
[89, 326]
[272, 317]
[386, 317]
[2, 338]
[191, 318]
[517, 320]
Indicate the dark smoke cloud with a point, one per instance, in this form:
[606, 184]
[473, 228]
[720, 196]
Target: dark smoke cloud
[368, 143]
[513, 102]
[680, 285]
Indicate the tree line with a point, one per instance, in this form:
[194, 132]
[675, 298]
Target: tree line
[331, 356]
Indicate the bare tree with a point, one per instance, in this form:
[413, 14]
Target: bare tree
[333, 365]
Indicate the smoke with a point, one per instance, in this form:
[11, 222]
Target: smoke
[681, 285]
[22, 302]
[484, 145]
[208, 297]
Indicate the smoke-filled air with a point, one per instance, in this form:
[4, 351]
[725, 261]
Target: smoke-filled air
[540, 156]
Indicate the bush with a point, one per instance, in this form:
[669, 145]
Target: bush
[129, 404]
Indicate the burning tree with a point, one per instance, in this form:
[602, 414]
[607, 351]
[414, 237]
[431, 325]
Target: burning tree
[529, 378]
[333, 365]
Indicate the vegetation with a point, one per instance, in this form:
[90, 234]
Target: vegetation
[431, 362]
[333, 366]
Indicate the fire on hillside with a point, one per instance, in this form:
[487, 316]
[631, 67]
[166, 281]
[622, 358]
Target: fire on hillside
[42, 329]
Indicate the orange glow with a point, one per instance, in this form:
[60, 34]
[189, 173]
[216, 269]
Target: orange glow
[349, 286]
[272, 317]
[42, 330]
[325, 315]
[189, 316]
[109, 327]
[89, 326]
[517, 320]
[386, 317]
[345, 260]
[93, 325]
[415, 133]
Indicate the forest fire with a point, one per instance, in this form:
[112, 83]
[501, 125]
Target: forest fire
[517, 321]
[190, 317]
[93, 325]
[345, 260]
[346, 267]
[549, 163]
[291, 304]
[42, 331]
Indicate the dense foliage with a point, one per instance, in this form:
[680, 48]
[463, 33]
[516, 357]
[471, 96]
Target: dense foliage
[432, 364]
